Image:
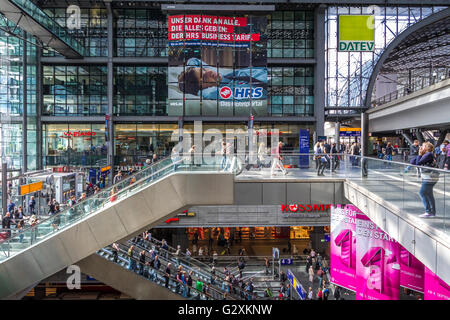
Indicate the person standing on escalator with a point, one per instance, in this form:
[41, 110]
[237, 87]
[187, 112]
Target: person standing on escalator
[167, 275]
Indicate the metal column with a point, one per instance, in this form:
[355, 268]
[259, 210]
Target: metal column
[319, 69]
[39, 104]
[110, 92]
[337, 139]
[24, 104]
[4, 187]
[364, 142]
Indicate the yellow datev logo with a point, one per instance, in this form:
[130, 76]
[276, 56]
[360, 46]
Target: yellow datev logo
[356, 33]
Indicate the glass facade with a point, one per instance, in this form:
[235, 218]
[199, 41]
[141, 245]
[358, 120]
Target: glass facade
[92, 35]
[140, 33]
[140, 90]
[348, 73]
[74, 144]
[134, 143]
[291, 91]
[74, 90]
[290, 34]
[12, 99]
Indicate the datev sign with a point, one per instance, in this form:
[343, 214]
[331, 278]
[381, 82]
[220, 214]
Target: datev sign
[356, 33]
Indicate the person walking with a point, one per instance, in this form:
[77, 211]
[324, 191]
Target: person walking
[429, 179]
[276, 160]
[337, 293]
[321, 158]
[311, 274]
[335, 156]
[31, 206]
[310, 293]
[319, 294]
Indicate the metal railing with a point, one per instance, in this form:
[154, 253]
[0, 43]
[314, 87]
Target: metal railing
[407, 90]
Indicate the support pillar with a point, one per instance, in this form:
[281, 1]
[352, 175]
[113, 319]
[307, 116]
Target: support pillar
[442, 135]
[408, 138]
[110, 91]
[39, 104]
[337, 139]
[319, 69]
[420, 136]
[4, 187]
[364, 142]
[24, 105]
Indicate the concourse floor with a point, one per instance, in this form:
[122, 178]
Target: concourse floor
[390, 183]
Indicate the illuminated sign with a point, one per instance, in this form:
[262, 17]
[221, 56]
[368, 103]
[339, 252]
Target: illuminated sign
[356, 33]
[69, 134]
[217, 64]
[304, 208]
[30, 188]
[105, 169]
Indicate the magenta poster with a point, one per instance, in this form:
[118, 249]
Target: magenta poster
[435, 287]
[343, 246]
[377, 262]
[411, 271]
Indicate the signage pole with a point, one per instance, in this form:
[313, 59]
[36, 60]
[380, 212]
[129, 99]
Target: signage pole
[4, 187]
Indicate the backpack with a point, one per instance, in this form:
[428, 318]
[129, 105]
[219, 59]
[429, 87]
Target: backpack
[199, 286]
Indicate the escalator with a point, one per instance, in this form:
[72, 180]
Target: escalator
[202, 270]
[118, 212]
[143, 282]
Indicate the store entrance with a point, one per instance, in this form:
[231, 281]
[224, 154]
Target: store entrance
[256, 241]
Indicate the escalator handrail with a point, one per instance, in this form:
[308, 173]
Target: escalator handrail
[123, 252]
[161, 257]
[105, 191]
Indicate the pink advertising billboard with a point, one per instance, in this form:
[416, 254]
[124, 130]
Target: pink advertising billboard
[377, 262]
[435, 287]
[411, 271]
[343, 246]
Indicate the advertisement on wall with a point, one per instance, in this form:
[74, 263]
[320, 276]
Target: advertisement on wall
[377, 262]
[343, 246]
[435, 287]
[411, 271]
[217, 65]
[356, 33]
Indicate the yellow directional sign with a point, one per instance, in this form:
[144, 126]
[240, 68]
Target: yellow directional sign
[30, 188]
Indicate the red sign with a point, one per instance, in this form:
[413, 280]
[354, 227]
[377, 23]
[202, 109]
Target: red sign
[225, 92]
[172, 220]
[69, 134]
[213, 28]
[304, 208]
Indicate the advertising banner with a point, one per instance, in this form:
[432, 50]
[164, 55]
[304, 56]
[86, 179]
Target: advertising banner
[435, 287]
[303, 138]
[377, 262]
[217, 65]
[343, 246]
[411, 271]
[356, 32]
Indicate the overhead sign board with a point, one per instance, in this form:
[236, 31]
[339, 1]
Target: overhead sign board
[356, 33]
[30, 188]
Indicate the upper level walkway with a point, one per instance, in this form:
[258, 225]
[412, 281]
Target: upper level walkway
[424, 108]
[36, 22]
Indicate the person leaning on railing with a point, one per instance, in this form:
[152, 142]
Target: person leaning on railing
[429, 179]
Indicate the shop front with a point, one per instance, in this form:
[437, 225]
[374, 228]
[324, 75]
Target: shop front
[74, 145]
